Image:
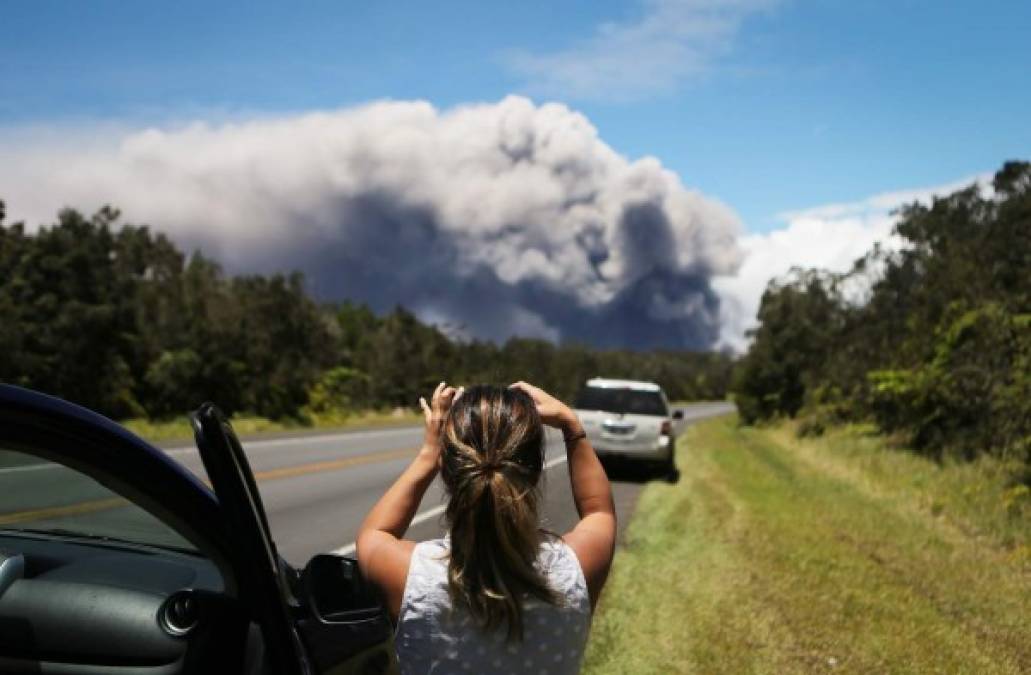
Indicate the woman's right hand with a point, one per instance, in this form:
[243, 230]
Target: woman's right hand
[593, 539]
[553, 412]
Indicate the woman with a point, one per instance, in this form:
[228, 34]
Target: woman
[497, 594]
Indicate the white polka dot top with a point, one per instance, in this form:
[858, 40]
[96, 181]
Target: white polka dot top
[433, 637]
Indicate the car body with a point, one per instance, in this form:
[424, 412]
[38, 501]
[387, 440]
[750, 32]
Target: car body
[116, 559]
[629, 420]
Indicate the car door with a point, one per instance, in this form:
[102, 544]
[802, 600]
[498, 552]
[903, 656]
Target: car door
[323, 619]
[260, 569]
[116, 558]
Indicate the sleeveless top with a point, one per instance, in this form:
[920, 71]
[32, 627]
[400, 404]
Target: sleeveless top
[434, 637]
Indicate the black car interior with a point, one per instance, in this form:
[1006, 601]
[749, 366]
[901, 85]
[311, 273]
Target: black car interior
[78, 607]
[88, 608]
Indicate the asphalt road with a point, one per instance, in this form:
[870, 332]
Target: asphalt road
[317, 489]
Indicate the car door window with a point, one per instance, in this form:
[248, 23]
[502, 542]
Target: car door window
[40, 495]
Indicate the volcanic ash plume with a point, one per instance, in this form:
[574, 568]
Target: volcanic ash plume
[500, 219]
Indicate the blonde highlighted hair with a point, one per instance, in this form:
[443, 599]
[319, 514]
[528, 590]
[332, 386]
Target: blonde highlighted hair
[491, 463]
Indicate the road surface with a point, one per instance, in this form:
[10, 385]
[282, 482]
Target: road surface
[316, 488]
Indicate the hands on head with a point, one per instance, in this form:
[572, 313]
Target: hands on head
[593, 538]
[435, 411]
[553, 412]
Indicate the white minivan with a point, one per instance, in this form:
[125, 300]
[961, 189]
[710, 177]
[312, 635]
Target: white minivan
[627, 419]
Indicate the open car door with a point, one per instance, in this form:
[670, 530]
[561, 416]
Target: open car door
[324, 620]
[261, 573]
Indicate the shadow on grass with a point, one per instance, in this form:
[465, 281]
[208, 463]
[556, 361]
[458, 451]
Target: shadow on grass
[624, 471]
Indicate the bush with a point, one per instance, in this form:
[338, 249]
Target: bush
[973, 395]
[339, 389]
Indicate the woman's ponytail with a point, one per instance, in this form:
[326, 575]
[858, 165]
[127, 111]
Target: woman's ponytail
[492, 459]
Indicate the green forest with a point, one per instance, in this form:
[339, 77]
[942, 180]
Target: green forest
[930, 342]
[115, 317]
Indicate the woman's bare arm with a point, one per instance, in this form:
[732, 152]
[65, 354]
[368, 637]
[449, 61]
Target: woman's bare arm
[593, 539]
[383, 556]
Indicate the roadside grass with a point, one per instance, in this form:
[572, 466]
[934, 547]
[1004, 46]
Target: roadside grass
[779, 555]
[178, 429]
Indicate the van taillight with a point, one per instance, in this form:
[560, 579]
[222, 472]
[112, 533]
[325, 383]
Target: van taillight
[667, 428]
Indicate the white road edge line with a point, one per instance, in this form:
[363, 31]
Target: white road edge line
[437, 510]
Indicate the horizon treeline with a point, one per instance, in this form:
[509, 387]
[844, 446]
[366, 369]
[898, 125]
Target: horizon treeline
[932, 342]
[118, 319]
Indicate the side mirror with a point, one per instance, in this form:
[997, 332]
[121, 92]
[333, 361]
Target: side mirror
[343, 622]
[334, 589]
[678, 414]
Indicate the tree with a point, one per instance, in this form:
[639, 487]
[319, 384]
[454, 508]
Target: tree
[114, 316]
[799, 321]
[937, 346]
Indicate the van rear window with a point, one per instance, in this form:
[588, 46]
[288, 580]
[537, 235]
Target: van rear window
[629, 401]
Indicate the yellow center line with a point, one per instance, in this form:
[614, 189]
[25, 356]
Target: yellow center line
[260, 476]
[61, 511]
[333, 464]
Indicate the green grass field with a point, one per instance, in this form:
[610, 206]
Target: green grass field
[836, 554]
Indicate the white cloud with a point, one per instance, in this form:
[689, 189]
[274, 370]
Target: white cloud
[673, 41]
[831, 237]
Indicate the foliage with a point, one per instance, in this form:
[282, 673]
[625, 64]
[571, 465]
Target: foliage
[339, 388]
[975, 392]
[115, 317]
[932, 341]
[797, 322]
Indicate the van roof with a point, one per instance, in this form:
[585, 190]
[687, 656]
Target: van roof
[604, 383]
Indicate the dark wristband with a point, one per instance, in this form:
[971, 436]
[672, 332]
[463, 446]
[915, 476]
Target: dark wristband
[574, 437]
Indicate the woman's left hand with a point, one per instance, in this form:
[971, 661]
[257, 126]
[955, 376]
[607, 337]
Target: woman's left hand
[434, 413]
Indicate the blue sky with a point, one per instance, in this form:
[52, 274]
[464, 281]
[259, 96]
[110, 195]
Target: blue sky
[811, 120]
[783, 105]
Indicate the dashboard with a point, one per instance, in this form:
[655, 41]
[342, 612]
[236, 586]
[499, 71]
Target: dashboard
[76, 607]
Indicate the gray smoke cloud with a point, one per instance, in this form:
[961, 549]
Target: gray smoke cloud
[500, 219]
